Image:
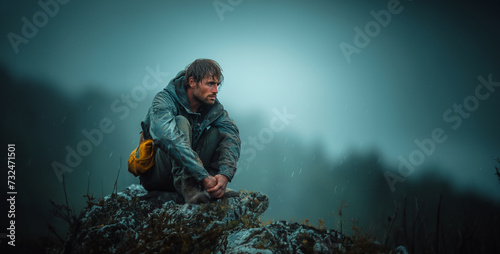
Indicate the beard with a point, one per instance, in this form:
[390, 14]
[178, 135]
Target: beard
[206, 100]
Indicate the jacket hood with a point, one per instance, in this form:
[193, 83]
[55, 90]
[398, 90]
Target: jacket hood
[177, 90]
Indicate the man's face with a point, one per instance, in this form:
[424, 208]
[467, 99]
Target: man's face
[206, 90]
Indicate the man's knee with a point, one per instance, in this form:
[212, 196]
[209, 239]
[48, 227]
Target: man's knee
[183, 124]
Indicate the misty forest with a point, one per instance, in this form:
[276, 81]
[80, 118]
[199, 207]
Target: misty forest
[376, 119]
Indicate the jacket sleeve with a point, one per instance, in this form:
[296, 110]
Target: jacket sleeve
[168, 137]
[229, 146]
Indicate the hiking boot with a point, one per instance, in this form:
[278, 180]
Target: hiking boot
[196, 197]
[230, 193]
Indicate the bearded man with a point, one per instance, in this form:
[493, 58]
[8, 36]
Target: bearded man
[196, 145]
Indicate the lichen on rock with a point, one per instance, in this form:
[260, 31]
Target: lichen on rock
[135, 221]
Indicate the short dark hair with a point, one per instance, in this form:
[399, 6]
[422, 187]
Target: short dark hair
[203, 68]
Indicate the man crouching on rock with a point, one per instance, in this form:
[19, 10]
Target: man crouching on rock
[195, 144]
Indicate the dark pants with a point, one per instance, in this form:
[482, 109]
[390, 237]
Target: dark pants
[169, 175]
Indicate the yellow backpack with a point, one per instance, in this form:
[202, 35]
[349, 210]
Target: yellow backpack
[142, 158]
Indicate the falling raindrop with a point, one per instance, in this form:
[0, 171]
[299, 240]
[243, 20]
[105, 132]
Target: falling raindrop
[292, 174]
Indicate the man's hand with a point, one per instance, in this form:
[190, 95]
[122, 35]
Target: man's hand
[209, 182]
[218, 190]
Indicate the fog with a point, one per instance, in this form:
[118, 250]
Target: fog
[363, 101]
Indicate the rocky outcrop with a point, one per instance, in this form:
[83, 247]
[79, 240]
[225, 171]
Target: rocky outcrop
[135, 221]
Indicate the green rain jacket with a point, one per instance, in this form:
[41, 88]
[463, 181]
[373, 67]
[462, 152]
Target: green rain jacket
[160, 125]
